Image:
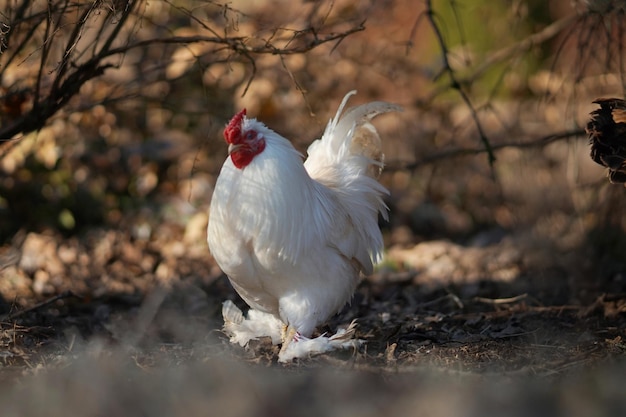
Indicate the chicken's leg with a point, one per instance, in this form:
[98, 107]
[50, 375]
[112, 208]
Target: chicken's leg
[242, 329]
[297, 346]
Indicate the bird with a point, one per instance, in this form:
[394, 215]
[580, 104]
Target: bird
[607, 137]
[294, 237]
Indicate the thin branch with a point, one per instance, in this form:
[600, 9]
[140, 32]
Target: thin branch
[70, 45]
[76, 67]
[116, 30]
[238, 43]
[22, 44]
[38, 306]
[500, 301]
[523, 46]
[502, 55]
[454, 83]
[19, 15]
[297, 85]
[460, 152]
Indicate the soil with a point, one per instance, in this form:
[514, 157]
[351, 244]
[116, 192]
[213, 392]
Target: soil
[165, 294]
[110, 324]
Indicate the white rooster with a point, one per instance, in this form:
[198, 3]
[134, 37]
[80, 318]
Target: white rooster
[294, 238]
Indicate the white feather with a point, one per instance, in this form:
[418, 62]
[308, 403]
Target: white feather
[305, 347]
[257, 323]
[293, 238]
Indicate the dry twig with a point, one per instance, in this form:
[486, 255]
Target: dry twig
[38, 306]
[71, 43]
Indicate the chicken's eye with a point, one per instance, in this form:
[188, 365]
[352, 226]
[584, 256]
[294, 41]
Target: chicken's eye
[250, 135]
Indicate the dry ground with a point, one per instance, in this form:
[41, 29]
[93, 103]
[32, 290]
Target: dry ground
[493, 337]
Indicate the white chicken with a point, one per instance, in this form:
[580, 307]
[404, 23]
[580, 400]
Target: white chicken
[294, 238]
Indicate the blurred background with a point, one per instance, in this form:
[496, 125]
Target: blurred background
[112, 126]
[111, 116]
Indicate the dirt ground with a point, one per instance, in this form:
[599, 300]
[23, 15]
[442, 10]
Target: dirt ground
[503, 289]
[473, 309]
[495, 338]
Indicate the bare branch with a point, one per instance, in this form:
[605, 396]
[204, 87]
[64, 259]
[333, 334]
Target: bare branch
[454, 83]
[525, 45]
[460, 152]
[83, 37]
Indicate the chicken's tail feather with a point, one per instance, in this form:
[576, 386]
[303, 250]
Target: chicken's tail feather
[348, 160]
[347, 136]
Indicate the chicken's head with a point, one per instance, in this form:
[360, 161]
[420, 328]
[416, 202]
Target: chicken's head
[244, 142]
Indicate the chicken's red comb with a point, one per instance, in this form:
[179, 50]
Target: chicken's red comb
[232, 132]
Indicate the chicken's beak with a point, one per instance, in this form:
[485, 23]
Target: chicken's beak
[232, 147]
